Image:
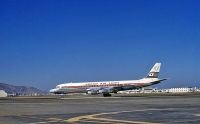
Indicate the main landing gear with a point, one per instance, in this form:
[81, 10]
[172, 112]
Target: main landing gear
[106, 94]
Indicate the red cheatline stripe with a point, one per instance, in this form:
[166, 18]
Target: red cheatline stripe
[108, 85]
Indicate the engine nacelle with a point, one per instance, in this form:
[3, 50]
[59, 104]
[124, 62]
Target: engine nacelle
[92, 92]
[103, 91]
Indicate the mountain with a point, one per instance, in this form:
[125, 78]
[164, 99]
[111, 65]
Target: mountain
[21, 90]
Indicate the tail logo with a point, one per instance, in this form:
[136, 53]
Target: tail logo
[156, 68]
[154, 71]
[151, 74]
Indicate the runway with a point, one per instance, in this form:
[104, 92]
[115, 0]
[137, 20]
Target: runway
[100, 110]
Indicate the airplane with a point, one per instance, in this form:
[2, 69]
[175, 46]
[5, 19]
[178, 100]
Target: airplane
[108, 87]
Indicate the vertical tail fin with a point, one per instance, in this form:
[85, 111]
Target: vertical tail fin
[154, 71]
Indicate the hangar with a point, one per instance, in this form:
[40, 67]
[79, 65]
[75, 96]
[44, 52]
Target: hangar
[3, 93]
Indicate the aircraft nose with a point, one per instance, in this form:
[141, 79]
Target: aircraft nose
[52, 90]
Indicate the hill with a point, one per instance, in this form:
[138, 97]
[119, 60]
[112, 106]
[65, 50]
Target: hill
[21, 90]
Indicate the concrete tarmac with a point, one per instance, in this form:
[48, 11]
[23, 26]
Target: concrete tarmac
[101, 110]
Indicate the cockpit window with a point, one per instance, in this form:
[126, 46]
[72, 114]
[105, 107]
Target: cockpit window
[58, 87]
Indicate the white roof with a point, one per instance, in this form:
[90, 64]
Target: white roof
[3, 93]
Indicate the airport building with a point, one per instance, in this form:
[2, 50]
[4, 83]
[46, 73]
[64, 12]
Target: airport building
[171, 90]
[143, 90]
[181, 90]
[3, 93]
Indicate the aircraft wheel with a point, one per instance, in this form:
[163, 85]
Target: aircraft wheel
[106, 94]
[115, 92]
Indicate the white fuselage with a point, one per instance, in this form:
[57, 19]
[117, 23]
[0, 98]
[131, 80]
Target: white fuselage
[120, 85]
[106, 87]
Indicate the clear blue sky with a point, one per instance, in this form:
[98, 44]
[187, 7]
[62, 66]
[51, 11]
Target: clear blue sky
[47, 42]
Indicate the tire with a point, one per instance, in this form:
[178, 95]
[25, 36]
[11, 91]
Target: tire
[106, 94]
